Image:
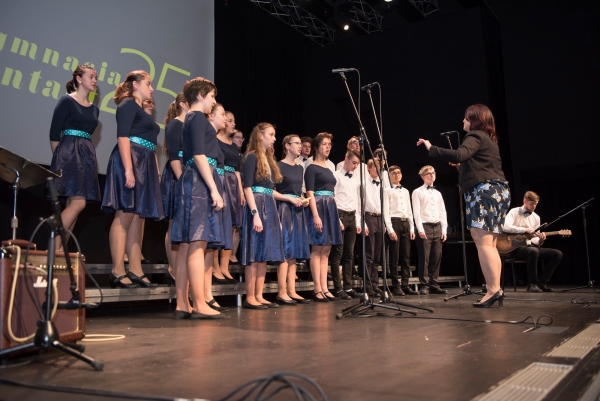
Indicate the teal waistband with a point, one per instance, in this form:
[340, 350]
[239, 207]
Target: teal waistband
[180, 154]
[143, 142]
[323, 193]
[262, 190]
[211, 161]
[75, 132]
[220, 171]
[292, 196]
[229, 169]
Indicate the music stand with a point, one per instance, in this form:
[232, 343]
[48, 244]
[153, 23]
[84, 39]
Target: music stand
[23, 174]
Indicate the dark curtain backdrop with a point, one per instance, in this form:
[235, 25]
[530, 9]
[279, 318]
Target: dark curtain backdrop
[534, 62]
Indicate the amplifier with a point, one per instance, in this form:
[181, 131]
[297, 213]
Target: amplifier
[69, 323]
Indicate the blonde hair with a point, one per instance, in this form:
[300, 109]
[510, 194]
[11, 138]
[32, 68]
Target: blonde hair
[266, 160]
[125, 88]
[426, 169]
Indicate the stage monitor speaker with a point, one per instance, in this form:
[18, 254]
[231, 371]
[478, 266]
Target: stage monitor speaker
[69, 323]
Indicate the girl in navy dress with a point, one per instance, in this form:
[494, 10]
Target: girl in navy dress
[216, 118]
[323, 221]
[74, 121]
[234, 194]
[132, 183]
[173, 148]
[290, 205]
[261, 230]
[198, 212]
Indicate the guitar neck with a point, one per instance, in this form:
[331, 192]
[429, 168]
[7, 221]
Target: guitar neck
[549, 233]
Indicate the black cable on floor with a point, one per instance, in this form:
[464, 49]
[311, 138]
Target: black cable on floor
[258, 386]
[536, 322]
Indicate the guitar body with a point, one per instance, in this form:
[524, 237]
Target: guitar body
[507, 242]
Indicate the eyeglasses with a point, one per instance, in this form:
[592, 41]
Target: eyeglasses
[395, 173]
[432, 173]
[295, 143]
[239, 138]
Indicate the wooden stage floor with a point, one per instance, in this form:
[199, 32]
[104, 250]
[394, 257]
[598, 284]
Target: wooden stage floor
[376, 358]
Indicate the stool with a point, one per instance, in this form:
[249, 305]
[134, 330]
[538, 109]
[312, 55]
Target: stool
[506, 257]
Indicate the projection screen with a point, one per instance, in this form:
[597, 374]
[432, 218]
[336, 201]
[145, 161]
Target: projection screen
[41, 43]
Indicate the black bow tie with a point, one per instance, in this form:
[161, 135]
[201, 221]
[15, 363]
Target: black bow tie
[526, 213]
[376, 182]
[304, 159]
[430, 187]
[398, 187]
[348, 175]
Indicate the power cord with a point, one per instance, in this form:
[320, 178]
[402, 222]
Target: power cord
[256, 390]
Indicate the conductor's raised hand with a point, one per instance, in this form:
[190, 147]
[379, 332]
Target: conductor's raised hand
[425, 142]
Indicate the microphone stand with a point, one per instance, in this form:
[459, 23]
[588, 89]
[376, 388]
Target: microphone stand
[47, 336]
[590, 283]
[467, 287]
[365, 304]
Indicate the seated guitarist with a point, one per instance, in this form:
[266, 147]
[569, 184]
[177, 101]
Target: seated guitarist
[524, 220]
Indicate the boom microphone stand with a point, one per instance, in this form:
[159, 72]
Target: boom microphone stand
[365, 304]
[467, 287]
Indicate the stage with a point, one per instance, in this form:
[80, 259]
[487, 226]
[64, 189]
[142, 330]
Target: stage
[376, 358]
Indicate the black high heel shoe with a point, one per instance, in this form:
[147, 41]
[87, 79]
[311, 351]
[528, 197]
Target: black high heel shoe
[317, 299]
[499, 296]
[140, 280]
[118, 281]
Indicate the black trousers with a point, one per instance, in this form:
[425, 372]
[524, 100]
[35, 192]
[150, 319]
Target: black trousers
[430, 255]
[400, 252]
[344, 253]
[373, 247]
[532, 255]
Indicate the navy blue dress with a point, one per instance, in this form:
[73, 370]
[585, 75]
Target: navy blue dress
[227, 226]
[75, 154]
[231, 183]
[145, 197]
[174, 137]
[194, 217]
[266, 246]
[317, 178]
[294, 222]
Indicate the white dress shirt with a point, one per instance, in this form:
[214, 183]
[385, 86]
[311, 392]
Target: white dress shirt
[347, 193]
[398, 205]
[517, 221]
[428, 207]
[301, 162]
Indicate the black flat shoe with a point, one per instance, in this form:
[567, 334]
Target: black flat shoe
[285, 302]
[170, 279]
[201, 316]
[232, 280]
[330, 298]
[180, 314]
[301, 300]
[271, 305]
[212, 302]
[317, 299]
[247, 305]
[499, 296]
[140, 280]
[118, 281]
[216, 280]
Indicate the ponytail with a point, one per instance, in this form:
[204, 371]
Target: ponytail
[125, 88]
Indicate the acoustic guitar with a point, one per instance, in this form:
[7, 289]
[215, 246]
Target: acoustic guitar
[509, 241]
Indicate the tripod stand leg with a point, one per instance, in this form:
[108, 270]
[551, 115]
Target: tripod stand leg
[97, 365]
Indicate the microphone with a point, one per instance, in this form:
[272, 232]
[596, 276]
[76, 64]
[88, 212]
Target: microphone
[368, 86]
[448, 133]
[337, 70]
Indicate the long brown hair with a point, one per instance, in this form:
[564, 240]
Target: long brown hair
[173, 111]
[72, 85]
[481, 118]
[266, 160]
[125, 88]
